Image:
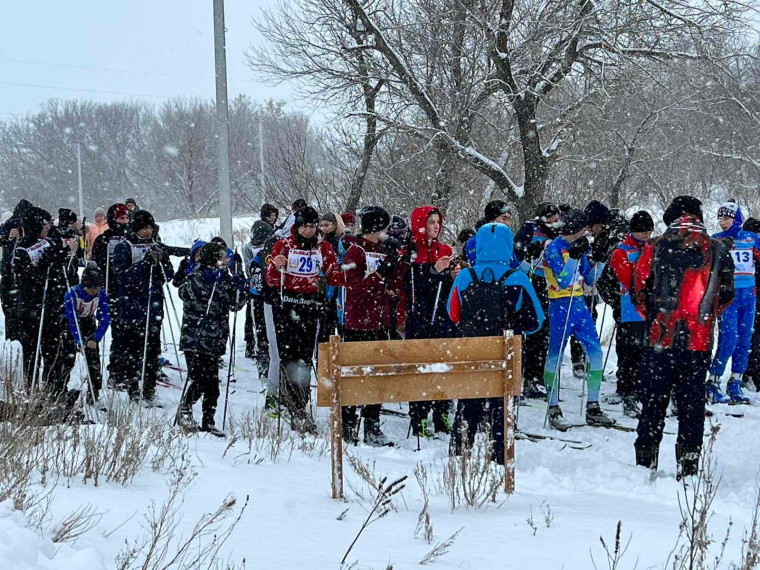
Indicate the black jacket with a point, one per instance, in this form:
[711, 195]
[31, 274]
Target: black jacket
[209, 297]
[14, 222]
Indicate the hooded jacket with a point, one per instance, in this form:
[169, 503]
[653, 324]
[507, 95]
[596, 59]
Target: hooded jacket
[94, 230]
[426, 290]
[14, 222]
[301, 275]
[745, 251]
[260, 232]
[495, 249]
[682, 282]
[187, 265]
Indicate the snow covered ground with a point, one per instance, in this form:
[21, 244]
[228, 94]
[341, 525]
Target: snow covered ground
[565, 499]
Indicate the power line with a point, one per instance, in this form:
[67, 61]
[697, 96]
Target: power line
[87, 90]
[107, 69]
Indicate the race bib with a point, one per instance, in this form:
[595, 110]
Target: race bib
[744, 261]
[87, 309]
[37, 250]
[373, 260]
[112, 243]
[304, 263]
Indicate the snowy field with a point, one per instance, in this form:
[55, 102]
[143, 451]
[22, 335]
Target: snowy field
[568, 493]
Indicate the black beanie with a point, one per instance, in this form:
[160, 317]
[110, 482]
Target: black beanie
[142, 219]
[564, 207]
[329, 217]
[546, 211]
[210, 254]
[298, 204]
[267, 210]
[596, 212]
[306, 215]
[92, 276]
[219, 240]
[465, 235]
[641, 222]
[573, 221]
[373, 219]
[33, 220]
[680, 206]
[66, 217]
[752, 225]
[494, 209]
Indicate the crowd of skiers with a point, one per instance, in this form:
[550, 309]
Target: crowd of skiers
[374, 276]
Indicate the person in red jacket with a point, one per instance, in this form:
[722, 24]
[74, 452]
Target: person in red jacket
[682, 282]
[373, 275]
[630, 327]
[295, 268]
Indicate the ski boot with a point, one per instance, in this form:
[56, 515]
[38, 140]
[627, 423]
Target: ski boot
[688, 462]
[734, 390]
[646, 456]
[185, 419]
[350, 432]
[714, 395]
[534, 390]
[372, 434]
[596, 417]
[631, 407]
[557, 420]
[163, 362]
[211, 429]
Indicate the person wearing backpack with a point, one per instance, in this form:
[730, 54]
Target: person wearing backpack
[682, 282]
[486, 300]
[568, 270]
[630, 326]
[427, 284]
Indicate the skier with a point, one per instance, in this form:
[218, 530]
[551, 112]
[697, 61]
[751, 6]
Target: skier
[103, 248]
[495, 212]
[10, 232]
[86, 312]
[94, 230]
[682, 282]
[256, 345]
[294, 270]
[331, 229]
[568, 271]
[349, 220]
[188, 264]
[141, 267]
[372, 276]
[530, 243]
[737, 321]
[753, 366]
[630, 326]
[486, 300]
[209, 296]
[427, 284]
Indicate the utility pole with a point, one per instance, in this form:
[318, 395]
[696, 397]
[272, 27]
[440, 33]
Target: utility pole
[263, 189]
[79, 175]
[222, 125]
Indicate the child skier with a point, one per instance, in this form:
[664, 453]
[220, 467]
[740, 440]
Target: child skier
[209, 295]
[567, 270]
[486, 300]
[87, 317]
[737, 322]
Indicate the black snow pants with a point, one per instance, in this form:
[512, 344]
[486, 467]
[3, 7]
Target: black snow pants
[629, 347]
[203, 377]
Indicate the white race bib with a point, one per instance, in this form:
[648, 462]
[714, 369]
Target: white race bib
[304, 263]
[373, 260]
[744, 261]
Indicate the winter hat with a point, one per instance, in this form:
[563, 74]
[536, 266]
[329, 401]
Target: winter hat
[680, 206]
[66, 217]
[348, 218]
[142, 219]
[131, 201]
[573, 221]
[219, 240]
[33, 220]
[298, 204]
[641, 222]
[210, 255]
[92, 276]
[374, 219]
[728, 209]
[116, 211]
[100, 212]
[564, 207]
[464, 236]
[398, 228]
[267, 210]
[752, 225]
[328, 217]
[306, 215]
[496, 208]
[596, 212]
[546, 210]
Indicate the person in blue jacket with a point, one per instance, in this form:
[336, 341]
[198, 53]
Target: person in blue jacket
[567, 269]
[87, 316]
[486, 300]
[142, 267]
[737, 322]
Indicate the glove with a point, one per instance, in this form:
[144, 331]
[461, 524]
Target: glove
[728, 242]
[239, 282]
[388, 265]
[155, 255]
[534, 251]
[579, 248]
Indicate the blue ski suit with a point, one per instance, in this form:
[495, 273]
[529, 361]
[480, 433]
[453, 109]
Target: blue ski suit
[737, 322]
[569, 315]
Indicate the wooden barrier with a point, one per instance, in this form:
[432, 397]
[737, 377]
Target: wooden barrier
[361, 373]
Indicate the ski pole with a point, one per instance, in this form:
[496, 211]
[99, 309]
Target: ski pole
[174, 341]
[103, 367]
[435, 306]
[609, 347]
[562, 345]
[282, 285]
[145, 343]
[37, 354]
[232, 359]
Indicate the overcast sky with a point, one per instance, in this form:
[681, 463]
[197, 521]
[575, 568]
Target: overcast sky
[119, 49]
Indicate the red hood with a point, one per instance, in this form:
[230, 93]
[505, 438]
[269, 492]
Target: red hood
[436, 250]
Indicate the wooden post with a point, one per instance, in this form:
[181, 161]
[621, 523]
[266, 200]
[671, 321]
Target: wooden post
[336, 419]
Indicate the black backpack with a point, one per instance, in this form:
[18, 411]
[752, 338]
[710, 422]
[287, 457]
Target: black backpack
[488, 307]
